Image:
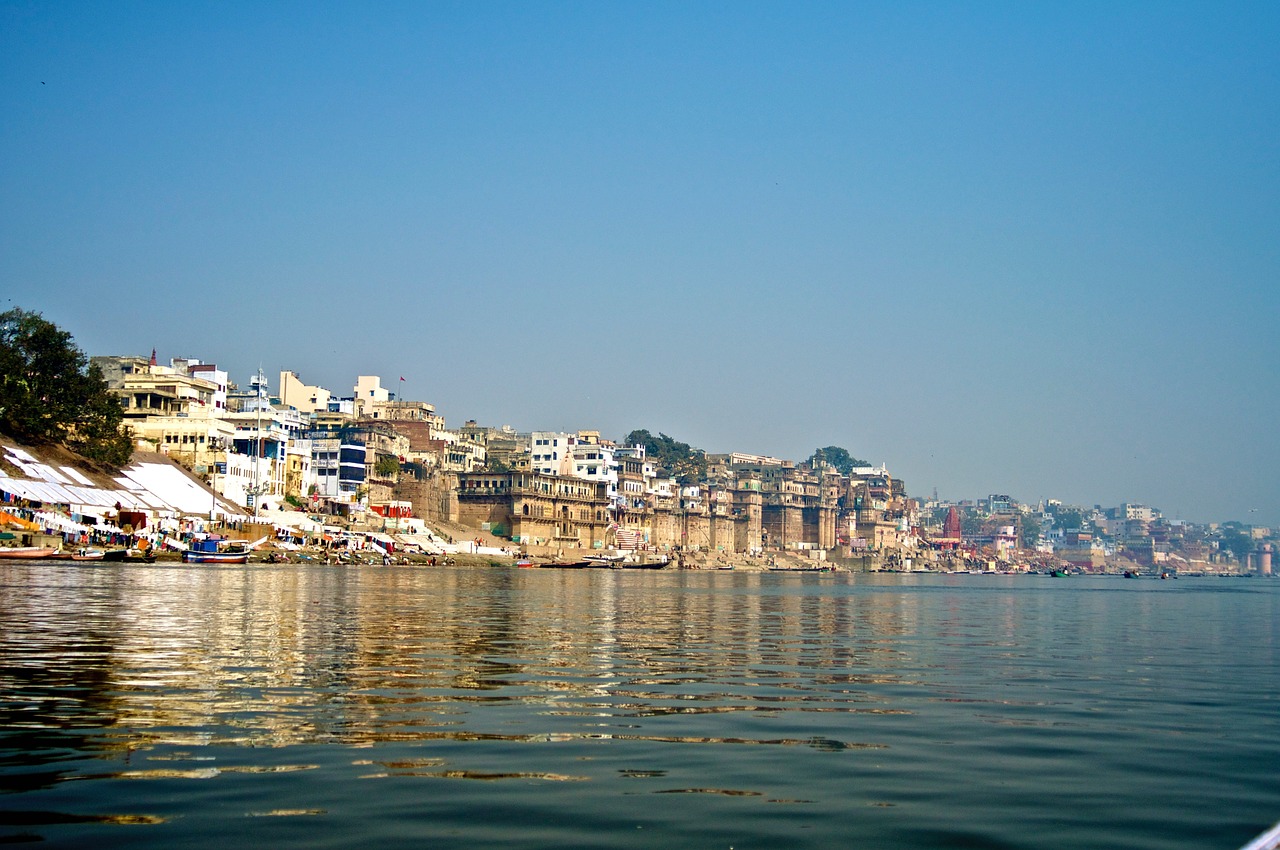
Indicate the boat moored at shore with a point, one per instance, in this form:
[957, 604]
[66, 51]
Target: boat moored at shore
[27, 552]
[216, 550]
[192, 556]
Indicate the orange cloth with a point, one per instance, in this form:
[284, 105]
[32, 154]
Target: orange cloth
[7, 518]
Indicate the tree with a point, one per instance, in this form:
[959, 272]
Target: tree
[1069, 520]
[386, 466]
[49, 393]
[1235, 540]
[837, 457]
[679, 460]
[1028, 531]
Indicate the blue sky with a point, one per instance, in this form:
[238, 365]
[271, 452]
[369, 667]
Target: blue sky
[1017, 248]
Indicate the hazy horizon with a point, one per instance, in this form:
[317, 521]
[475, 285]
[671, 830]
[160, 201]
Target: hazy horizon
[1007, 248]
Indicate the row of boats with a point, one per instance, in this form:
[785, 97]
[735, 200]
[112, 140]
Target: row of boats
[606, 561]
[34, 553]
[210, 551]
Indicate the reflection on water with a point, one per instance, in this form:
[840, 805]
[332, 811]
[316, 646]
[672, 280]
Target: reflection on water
[187, 703]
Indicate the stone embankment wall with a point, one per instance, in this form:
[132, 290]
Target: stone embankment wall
[434, 494]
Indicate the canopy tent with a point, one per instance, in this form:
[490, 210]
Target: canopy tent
[293, 519]
[65, 494]
[423, 542]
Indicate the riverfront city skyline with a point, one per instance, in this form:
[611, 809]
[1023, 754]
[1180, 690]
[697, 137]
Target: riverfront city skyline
[1005, 249]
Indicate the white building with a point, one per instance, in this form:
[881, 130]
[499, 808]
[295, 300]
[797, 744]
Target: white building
[458, 452]
[243, 479]
[208, 372]
[551, 452]
[368, 392]
[636, 475]
[595, 462]
[259, 446]
[343, 406]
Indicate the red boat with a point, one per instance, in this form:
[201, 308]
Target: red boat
[27, 552]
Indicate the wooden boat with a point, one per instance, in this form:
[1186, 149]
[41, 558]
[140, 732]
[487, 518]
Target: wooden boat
[640, 565]
[26, 553]
[629, 560]
[221, 551]
[1269, 840]
[605, 559]
[130, 556]
[88, 555]
[224, 556]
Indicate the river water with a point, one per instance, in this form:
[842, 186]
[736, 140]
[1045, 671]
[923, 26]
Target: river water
[322, 706]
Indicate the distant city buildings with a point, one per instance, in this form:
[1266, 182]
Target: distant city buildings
[309, 447]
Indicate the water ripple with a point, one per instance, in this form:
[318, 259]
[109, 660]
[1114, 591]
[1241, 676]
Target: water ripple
[992, 712]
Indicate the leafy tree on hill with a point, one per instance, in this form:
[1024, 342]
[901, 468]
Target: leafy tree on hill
[49, 392]
[1070, 521]
[837, 457]
[1235, 540]
[679, 460]
[1028, 531]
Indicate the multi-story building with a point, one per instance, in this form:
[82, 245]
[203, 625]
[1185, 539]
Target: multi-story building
[195, 442]
[338, 459]
[536, 509]
[210, 373]
[304, 397]
[368, 393]
[405, 411]
[551, 452]
[145, 388]
[264, 430]
[635, 476]
[1141, 513]
[176, 410]
[1081, 549]
[504, 448]
[595, 461]
[385, 450]
[299, 478]
[450, 452]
